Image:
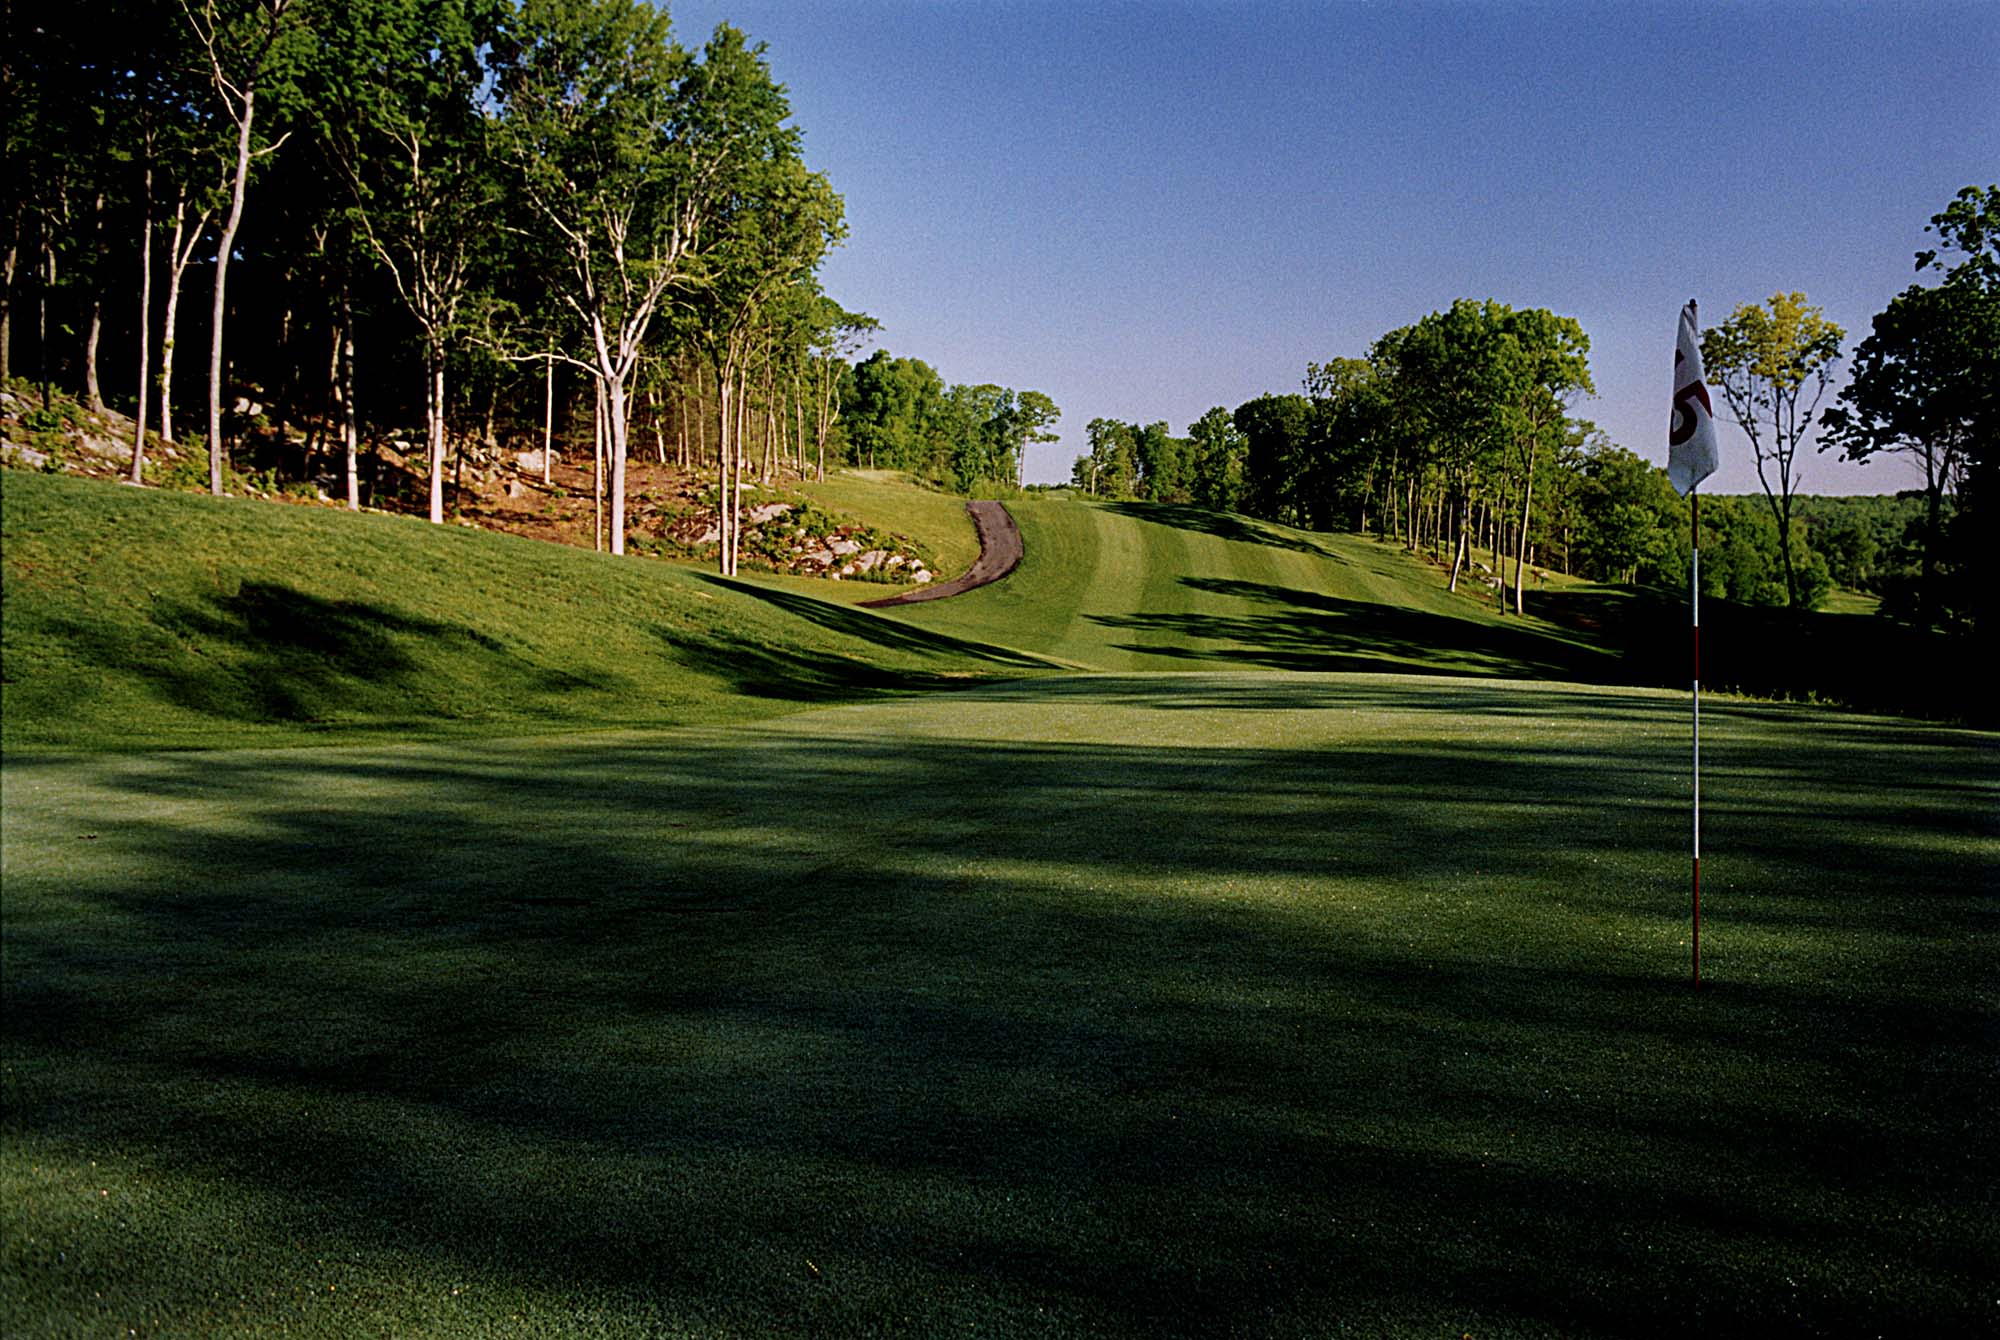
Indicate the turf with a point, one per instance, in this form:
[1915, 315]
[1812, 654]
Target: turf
[1268, 1004]
[1139, 586]
[593, 986]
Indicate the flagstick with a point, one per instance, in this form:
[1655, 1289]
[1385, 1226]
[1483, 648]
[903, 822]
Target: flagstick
[1694, 603]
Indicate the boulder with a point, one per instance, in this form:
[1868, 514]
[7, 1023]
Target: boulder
[759, 515]
[844, 546]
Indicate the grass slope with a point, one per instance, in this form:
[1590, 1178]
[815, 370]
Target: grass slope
[1261, 1004]
[135, 618]
[1135, 586]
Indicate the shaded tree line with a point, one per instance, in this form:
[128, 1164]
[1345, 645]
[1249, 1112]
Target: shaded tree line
[491, 216]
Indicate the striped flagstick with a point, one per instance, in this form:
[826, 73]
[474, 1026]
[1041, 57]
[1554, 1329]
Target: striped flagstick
[1691, 458]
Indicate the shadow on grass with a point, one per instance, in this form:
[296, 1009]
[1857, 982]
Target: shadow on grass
[1222, 525]
[1304, 630]
[269, 653]
[878, 631]
[765, 1033]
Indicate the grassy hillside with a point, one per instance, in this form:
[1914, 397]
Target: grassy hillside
[139, 618]
[136, 617]
[1251, 1004]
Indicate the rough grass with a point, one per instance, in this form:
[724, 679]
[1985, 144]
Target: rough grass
[139, 618]
[1221, 1004]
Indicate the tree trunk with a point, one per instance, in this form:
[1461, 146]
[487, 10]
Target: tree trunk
[1521, 541]
[350, 414]
[218, 313]
[549, 417]
[93, 395]
[7, 297]
[597, 465]
[722, 481]
[180, 255]
[617, 440]
[434, 426]
[1458, 523]
[145, 318]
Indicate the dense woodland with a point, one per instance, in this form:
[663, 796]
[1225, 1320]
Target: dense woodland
[306, 228]
[475, 223]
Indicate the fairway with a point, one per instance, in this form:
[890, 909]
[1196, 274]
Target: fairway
[1156, 587]
[1262, 1004]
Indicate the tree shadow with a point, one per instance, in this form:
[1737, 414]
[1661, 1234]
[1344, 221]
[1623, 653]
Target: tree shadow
[295, 658]
[1307, 631]
[768, 1032]
[1222, 525]
[877, 631]
[1871, 664]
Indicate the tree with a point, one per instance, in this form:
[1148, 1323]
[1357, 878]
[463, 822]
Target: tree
[245, 47]
[837, 335]
[587, 91]
[400, 98]
[1773, 367]
[1111, 467]
[769, 221]
[1925, 379]
[1034, 419]
[1217, 448]
[1275, 430]
[1544, 361]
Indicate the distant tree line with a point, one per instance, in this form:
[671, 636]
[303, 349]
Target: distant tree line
[901, 416]
[487, 217]
[1455, 436]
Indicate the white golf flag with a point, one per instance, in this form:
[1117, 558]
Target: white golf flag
[1691, 453]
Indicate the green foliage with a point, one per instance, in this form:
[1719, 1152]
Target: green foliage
[1773, 365]
[1924, 386]
[902, 416]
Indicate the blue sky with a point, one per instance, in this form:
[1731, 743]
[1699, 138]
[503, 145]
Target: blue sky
[1148, 209]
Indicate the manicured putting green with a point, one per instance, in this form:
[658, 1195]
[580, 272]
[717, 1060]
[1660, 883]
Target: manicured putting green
[1267, 1004]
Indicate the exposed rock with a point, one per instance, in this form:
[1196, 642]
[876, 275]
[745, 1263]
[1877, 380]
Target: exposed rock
[758, 516]
[867, 562]
[919, 576]
[531, 461]
[25, 455]
[844, 546]
[516, 489]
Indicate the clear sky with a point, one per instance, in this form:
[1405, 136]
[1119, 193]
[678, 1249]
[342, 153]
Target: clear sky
[1148, 209]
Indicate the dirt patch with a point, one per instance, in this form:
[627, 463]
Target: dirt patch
[1000, 551]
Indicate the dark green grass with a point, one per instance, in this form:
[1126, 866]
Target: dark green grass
[1260, 1004]
[137, 618]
